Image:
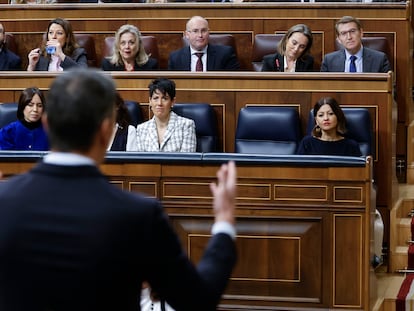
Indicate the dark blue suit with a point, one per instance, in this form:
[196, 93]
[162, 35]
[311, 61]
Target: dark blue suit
[9, 60]
[69, 240]
[372, 61]
[219, 57]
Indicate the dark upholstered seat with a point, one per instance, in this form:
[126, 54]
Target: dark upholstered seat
[267, 130]
[149, 42]
[7, 113]
[263, 44]
[219, 39]
[359, 128]
[135, 113]
[11, 43]
[87, 42]
[205, 121]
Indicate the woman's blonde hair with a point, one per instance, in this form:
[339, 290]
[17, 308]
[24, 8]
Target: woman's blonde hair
[141, 58]
[301, 28]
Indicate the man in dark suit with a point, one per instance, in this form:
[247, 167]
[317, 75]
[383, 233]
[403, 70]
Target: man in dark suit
[354, 57]
[200, 55]
[8, 60]
[69, 240]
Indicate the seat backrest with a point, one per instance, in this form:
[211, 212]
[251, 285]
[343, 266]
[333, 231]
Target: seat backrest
[11, 43]
[135, 113]
[218, 39]
[376, 43]
[264, 44]
[267, 130]
[87, 42]
[359, 128]
[150, 45]
[205, 121]
[8, 113]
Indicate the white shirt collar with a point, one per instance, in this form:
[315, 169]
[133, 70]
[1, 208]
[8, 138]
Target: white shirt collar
[67, 158]
[357, 54]
[195, 51]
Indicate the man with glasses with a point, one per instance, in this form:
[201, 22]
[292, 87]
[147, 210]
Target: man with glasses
[8, 60]
[200, 55]
[354, 57]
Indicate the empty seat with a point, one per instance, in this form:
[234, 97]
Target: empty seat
[8, 113]
[149, 42]
[135, 113]
[87, 42]
[267, 130]
[359, 128]
[205, 121]
[264, 44]
[219, 39]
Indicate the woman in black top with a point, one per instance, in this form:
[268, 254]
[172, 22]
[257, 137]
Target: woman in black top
[292, 52]
[328, 134]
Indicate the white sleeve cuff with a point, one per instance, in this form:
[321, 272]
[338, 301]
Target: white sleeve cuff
[224, 227]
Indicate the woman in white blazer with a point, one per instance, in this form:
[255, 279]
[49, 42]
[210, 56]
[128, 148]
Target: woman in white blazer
[166, 131]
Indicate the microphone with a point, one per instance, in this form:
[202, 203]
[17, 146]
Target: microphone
[277, 64]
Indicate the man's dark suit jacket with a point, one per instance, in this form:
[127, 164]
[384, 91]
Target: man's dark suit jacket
[152, 64]
[9, 60]
[270, 63]
[78, 59]
[219, 57]
[372, 61]
[71, 241]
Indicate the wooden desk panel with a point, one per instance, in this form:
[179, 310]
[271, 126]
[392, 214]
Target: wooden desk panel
[297, 249]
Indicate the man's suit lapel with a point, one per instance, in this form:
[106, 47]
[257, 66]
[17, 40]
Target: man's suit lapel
[366, 61]
[3, 59]
[341, 62]
[211, 58]
[186, 60]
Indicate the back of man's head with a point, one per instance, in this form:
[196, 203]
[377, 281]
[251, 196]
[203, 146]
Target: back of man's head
[77, 103]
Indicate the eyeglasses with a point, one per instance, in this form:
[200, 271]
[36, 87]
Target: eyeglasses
[199, 31]
[352, 32]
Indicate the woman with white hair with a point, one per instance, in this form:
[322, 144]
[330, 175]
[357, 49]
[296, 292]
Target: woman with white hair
[128, 52]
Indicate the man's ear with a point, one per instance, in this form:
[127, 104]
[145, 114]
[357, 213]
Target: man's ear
[45, 122]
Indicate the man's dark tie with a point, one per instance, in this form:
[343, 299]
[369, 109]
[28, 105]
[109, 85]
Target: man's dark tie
[352, 67]
[199, 64]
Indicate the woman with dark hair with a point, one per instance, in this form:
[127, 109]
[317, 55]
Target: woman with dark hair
[27, 133]
[129, 53]
[292, 52]
[59, 50]
[166, 131]
[125, 136]
[328, 134]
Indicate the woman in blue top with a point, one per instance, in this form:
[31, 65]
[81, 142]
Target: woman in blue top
[328, 134]
[27, 133]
